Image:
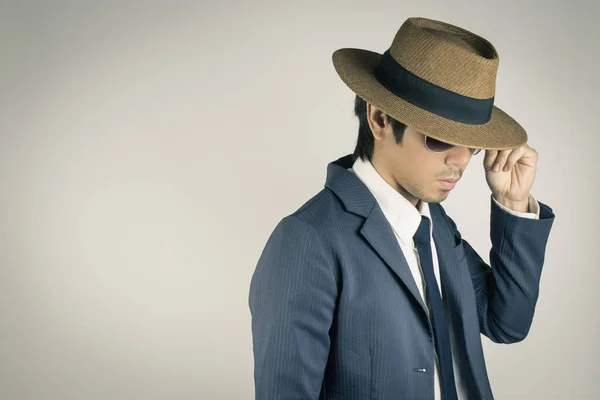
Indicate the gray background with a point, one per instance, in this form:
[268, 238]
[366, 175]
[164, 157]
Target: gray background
[148, 150]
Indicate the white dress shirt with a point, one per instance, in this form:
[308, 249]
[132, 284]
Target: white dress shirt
[404, 219]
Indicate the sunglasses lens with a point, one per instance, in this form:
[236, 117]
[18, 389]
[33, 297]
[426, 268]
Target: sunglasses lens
[436, 145]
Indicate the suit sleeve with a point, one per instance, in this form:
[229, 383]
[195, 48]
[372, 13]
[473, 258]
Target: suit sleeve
[292, 300]
[533, 213]
[507, 292]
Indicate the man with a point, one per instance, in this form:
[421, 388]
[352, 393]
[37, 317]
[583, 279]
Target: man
[368, 291]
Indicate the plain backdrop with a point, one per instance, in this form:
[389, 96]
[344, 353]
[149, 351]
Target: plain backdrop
[147, 151]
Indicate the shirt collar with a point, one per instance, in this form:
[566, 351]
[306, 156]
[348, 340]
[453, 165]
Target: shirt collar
[402, 215]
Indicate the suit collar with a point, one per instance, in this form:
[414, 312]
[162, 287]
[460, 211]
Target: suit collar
[355, 196]
[404, 217]
[359, 199]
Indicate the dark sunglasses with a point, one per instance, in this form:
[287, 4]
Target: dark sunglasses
[437, 146]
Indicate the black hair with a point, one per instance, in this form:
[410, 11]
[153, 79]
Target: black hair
[365, 143]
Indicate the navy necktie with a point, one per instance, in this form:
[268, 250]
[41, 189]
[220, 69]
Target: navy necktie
[437, 313]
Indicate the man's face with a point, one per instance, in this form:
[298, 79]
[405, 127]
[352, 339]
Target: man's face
[413, 170]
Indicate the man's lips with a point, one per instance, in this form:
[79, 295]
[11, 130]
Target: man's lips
[448, 183]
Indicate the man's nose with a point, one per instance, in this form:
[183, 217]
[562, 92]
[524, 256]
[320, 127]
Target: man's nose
[459, 156]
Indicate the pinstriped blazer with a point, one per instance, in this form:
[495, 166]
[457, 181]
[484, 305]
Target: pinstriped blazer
[336, 313]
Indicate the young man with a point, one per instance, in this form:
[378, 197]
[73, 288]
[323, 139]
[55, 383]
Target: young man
[368, 291]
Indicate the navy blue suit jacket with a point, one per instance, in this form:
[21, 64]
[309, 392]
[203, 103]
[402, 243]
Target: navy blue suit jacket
[336, 313]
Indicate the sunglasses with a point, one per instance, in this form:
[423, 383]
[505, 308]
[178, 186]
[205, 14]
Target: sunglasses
[437, 146]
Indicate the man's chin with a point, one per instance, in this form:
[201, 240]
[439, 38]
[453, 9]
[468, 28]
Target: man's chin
[441, 196]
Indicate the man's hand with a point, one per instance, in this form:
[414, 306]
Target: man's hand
[510, 175]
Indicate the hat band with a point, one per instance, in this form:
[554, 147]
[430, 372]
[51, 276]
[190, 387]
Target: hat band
[431, 97]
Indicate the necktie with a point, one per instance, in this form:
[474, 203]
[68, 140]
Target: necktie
[437, 313]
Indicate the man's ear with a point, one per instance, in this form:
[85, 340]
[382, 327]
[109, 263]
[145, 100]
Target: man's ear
[376, 119]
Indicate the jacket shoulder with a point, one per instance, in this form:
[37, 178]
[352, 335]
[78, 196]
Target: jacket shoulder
[320, 209]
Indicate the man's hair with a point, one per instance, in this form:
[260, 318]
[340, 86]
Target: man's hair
[365, 143]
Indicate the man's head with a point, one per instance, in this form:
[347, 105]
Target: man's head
[437, 77]
[399, 154]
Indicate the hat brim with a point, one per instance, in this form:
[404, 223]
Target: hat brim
[355, 67]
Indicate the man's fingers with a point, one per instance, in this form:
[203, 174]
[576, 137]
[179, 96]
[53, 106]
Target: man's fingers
[501, 160]
[505, 160]
[513, 158]
[490, 156]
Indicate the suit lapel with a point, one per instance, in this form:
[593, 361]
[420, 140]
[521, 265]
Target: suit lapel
[376, 229]
[378, 232]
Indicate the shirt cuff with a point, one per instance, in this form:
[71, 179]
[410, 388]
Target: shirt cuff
[534, 209]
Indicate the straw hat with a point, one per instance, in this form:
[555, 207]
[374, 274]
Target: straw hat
[437, 78]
